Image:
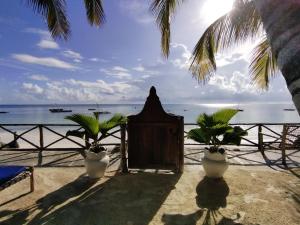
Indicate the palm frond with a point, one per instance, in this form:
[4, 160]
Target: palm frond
[54, 12]
[223, 116]
[94, 12]
[163, 11]
[240, 24]
[234, 136]
[263, 64]
[205, 120]
[89, 123]
[220, 129]
[75, 133]
[113, 122]
[198, 135]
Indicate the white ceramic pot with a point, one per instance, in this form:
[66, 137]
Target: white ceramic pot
[96, 163]
[214, 164]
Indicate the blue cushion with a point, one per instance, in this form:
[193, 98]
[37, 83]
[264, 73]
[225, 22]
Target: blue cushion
[9, 172]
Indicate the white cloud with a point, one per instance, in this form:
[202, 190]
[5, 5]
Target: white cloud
[72, 90]
[77, 60]
[99, 60]
[46, 41]
[183, 61]
[139, 68]
[118, 72]
[46, 61]
[32, 30]
[138, 10]
[236, 83]
[94, 59]
[48, 44]
[38, 77]
[72, 54]
[32, 88]
[120, 68]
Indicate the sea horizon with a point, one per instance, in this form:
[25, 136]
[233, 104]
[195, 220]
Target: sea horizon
[252, 112]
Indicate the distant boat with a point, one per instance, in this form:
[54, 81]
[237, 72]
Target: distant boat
[103, 112]
[59, 110]
[240, 110]
[3, 112]
[91, 109]
[185, 110]
[289, 109]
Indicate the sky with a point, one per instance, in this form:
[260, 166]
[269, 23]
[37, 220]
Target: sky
[120, 61]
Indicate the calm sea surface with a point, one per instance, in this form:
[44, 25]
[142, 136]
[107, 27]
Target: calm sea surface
[253, 113]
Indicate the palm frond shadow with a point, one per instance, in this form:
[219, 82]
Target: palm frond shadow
[211, 196]
[120, 199]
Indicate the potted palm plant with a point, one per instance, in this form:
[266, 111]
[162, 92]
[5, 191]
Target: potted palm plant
[214, 130]
[94, 131]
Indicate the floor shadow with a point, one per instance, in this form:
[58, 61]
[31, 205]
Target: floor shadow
[48, 202]
[212, 193]
[211, 196]
[14, 199]
[294, 171]
[179, 219]
[123, 199]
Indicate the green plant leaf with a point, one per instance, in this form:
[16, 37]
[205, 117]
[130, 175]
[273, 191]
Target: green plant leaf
[113, 122]
[204, 120]
[199, 136]
[220, 129]
[89, 123]
[224, 115]
[76, 133]
[234, 136]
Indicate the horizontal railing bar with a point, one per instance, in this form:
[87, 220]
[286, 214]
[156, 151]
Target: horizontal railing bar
[63, 149]
[187, 124]
[250, 124]
[40, 124]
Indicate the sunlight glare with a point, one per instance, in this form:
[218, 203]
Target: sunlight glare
[213, 9]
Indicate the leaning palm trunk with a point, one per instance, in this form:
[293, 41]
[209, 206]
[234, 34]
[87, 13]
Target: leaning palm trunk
[281, 20]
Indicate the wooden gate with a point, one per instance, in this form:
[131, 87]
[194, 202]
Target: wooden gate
[155, 138]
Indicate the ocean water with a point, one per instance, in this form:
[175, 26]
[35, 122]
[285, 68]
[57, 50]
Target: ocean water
[253, 113]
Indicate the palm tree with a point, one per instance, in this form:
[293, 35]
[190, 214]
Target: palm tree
[275, 22]
[54, 13]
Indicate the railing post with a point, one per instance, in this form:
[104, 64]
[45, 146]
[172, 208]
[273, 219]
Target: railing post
[41, 137]
[283, 144]
[260, 139]
[123, 149]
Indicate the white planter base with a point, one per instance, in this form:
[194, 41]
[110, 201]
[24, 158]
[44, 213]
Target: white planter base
[214, 164]
[96, 164]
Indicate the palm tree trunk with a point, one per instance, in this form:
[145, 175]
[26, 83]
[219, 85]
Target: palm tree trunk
[281, 20]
